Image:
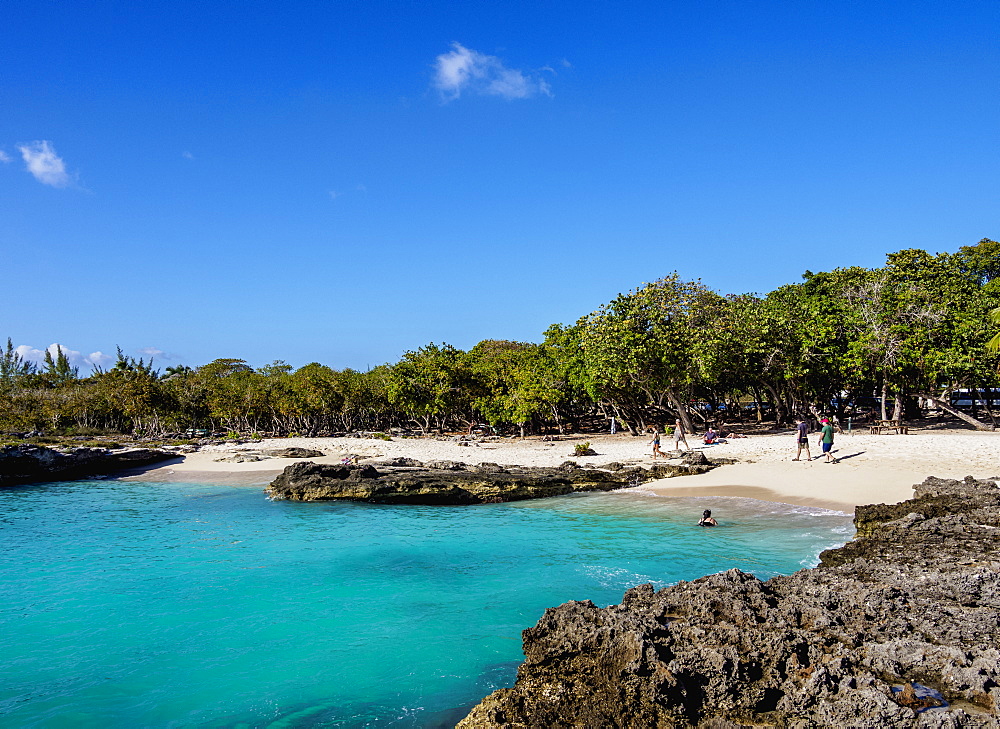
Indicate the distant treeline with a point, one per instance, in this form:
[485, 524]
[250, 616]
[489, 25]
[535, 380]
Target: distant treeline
[914, 328]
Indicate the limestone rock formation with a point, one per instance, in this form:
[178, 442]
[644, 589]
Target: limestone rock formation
[907, 612]
[294, 452]
[452, 482]
[31, 464]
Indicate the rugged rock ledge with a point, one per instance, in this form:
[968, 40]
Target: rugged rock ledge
[912, 604]
[405, 481]
[31, 464]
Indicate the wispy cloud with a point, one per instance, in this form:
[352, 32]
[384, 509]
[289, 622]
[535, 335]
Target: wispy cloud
[77, 359]
[334, 194]
[187, 155]
[465, 70]
[154, 353]
[41, 160]
[4, 157]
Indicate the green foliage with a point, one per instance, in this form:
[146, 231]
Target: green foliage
[581, 449]
[921, 324]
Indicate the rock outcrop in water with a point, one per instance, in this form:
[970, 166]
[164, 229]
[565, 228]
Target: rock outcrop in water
[405, 481]
[31, 464]
[903, 618]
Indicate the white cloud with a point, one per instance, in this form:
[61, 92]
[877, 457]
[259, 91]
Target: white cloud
[187, 155]
[462, 69]
[334, 194]
[77, 359]
[4, 157]
[41, 160]
[152, 352]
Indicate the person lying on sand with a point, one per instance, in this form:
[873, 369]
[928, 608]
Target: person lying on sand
[726, 432]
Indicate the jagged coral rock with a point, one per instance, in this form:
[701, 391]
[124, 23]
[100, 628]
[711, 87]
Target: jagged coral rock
[914, 600]
[452, 482]
[30, 463]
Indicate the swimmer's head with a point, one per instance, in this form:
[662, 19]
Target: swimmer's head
[707, 513]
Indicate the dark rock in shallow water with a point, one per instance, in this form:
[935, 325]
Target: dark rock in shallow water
[294, 452]
[31, 464]
[908, 610]
[451, 482]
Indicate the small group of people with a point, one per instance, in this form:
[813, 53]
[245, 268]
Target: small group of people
[678, 438]
[711, 437]
[825, 439]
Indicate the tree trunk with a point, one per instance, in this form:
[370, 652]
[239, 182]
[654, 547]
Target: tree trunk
[757, 401]
[946, 406]
[681, 411]
[555, 414]
[622, 418]
[986, 405]
[885, 393]
[780, 414]
[897, 407]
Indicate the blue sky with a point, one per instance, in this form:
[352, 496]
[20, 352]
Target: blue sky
[343, 181]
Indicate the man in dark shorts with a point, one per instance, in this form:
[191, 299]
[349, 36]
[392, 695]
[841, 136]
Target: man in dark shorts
[802, 436]
[826, 441]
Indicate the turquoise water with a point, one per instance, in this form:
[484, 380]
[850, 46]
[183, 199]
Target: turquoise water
[130, 604]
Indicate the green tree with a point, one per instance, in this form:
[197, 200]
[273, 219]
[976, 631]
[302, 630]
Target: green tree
[429, 384]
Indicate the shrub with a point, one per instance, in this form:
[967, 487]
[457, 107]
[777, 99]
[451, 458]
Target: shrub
[582, 449]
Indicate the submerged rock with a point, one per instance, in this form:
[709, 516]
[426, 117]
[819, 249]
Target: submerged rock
[31, 464]
[903, 619]
[452, 482]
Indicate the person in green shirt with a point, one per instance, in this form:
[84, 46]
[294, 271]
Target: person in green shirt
[826, 441]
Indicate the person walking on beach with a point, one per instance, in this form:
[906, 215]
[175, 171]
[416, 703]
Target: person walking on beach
[802, 434]
[826, 441]
[656, 445]
[679, 436]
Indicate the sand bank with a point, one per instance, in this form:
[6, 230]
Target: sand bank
[870, 468]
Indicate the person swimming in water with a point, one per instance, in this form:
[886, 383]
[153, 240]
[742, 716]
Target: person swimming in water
[707, 520]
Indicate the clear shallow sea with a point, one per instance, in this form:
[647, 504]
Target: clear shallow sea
[128, 604]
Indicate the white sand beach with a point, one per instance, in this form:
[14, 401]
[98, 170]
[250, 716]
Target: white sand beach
[869, 469]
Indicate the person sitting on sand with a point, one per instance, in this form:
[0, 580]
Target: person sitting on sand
[707, 520]
[711, 437]
[656, 445]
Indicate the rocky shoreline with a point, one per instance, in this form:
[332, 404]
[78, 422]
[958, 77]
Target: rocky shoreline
[21, 464]
[898, 628]
[407, 481]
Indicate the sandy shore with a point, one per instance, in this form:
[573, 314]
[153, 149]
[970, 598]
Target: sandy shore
[870, 468]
